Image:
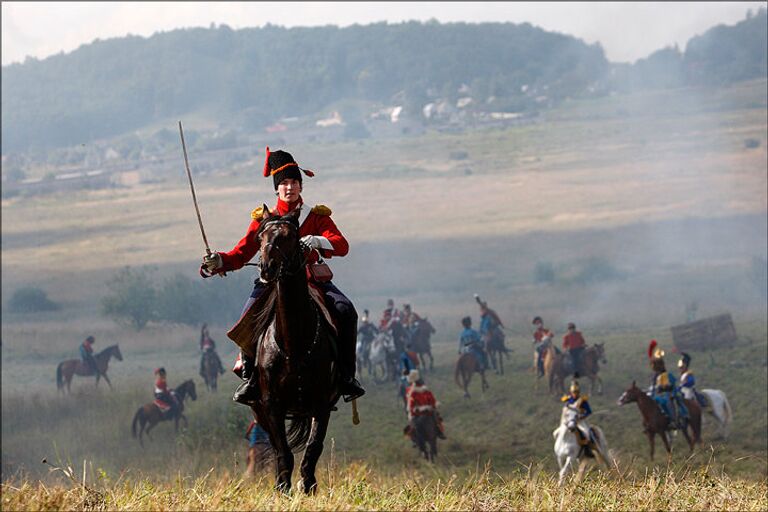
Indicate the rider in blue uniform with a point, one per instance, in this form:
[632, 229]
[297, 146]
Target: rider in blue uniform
[664, 390]
[470, 341]
[687, 384]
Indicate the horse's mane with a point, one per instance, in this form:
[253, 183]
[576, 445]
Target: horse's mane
[105, 351]
[263, 312]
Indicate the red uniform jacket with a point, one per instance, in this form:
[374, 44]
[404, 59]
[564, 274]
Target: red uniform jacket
[420, 401]
[316, 222]
[573, 340]
[540, 334]
[161, 386]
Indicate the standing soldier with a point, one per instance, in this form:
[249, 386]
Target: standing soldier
[541, 338]
[574, 345]
[86, 353]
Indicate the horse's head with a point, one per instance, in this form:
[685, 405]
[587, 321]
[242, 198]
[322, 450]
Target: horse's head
[570, 418]
[279, 241]
[600, 351]
[116, 352]
[191, 389]
[630, 395]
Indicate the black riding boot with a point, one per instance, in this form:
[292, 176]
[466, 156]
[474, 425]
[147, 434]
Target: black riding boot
[248, 391]
[346, 318]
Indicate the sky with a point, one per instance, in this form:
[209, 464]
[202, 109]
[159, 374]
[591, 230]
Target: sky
[626, 30]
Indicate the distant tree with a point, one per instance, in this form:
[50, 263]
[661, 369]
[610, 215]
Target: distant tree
[30, 299]
[180, 300]
[133, 299]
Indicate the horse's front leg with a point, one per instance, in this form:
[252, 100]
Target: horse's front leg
[284, 457]
[313, 452]
[98, 376]
[431, 361]
[106, 379]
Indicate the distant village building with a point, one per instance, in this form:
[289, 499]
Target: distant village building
[334, 120]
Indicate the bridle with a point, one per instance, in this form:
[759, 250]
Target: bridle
[289, 266]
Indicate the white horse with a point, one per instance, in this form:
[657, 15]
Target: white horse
[567, 448]
[719, 408]
[382, 348]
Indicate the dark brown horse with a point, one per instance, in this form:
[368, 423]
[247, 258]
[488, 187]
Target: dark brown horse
[466, 366]
[210, 368]
[150, 414]
[590, 365]
[655, 422]
[494, 345]
[420, 342]
[424, 432]
[71, 367]
[297, 374]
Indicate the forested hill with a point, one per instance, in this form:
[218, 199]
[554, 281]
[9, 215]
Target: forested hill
[251, 77]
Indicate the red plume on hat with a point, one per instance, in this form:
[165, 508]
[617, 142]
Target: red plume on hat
[266, 162]
[651, 346]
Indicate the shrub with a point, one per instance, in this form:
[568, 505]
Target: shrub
[180, 300]
[458, 155]
[29, 300]
[133, 299]
[598, 270]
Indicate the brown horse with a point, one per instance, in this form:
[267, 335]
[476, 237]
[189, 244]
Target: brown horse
[554, 369]
[210, 368]
[424, 432]
[152, 415]
[590, 365]
[67, 369]
[466, 366]
[655, 422]
[494, 344]
[298, 376]
[420, 342]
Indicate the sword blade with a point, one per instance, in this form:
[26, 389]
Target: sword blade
[192, 188]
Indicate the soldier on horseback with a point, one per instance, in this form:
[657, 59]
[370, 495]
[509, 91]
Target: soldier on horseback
[409, 319]
[688, 382]
[574, 345]
[422, 402]
[321, 235]
[86, 353]
[490, 325]
[663, 388]
[167, 400]
[579, 402]
[470, 341]
[208, 350]
[388, 315]
[541, 338]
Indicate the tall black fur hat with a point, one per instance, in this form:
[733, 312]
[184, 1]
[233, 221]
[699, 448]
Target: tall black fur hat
[281, 165]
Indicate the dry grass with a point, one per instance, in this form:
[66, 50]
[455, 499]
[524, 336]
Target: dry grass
[359, 487]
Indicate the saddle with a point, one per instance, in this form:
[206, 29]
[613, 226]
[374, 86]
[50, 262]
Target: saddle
[253, 324]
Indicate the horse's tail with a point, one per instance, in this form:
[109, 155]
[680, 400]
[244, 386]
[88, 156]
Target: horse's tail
[136, 417]
[298, 432]
[728, 413]
[457, 372]
[59, 377]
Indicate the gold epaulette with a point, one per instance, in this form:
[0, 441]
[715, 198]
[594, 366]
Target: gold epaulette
[257, 213]
[565, 398]
[584, 398]
[321, 209]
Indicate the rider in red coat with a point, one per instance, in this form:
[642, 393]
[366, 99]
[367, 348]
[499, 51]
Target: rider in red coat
[317, 231]
[574, 345]
[421, 401]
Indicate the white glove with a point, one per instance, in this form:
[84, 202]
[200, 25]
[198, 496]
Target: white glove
[317, 242]
[213, 261]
